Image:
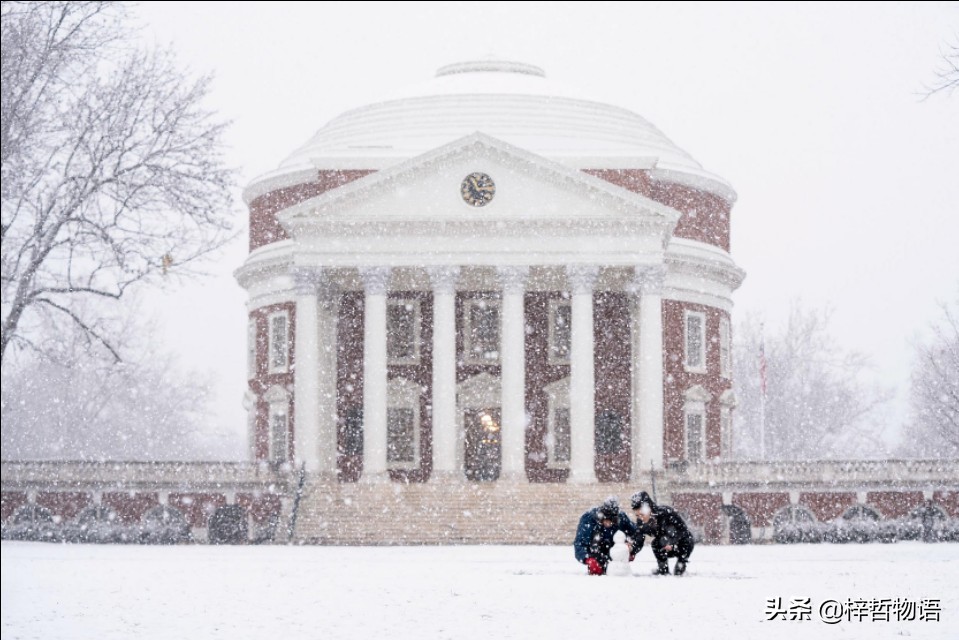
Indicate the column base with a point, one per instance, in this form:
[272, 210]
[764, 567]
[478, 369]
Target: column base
[513, 477]
[582, 477]
[322, 477]
[380, 477]
[447, 477]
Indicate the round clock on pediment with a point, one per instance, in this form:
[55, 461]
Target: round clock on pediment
[477, 189]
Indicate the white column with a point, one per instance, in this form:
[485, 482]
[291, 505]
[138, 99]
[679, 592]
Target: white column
[375, 280]
[582, 387]
[649, 449]
[306, 372]
[328, 300]
[446, 465]
[513, 373]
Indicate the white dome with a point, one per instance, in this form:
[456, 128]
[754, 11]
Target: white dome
[511, 101]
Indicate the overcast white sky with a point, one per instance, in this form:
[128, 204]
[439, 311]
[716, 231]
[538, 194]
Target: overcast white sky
[848, 181]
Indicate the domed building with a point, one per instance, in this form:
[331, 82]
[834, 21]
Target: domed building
[476, 310]
[488, 279]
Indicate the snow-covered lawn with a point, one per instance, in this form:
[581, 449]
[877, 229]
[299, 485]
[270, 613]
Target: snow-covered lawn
[53, 591]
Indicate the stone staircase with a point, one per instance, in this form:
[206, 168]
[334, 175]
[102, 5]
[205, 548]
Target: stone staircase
[446, 512]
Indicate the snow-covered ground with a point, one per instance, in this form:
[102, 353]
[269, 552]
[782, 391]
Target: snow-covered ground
[54, 591]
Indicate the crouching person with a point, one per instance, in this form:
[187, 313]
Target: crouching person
[671, 536]
[594, 535]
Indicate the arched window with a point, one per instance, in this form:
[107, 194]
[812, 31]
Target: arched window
[795, 523]
[737, 529]
[861, 512]
[793, 514]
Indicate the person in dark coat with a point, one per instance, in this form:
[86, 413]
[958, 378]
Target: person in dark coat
[594, 535]
[671, 537]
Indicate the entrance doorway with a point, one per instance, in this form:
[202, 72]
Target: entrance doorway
[483, 444]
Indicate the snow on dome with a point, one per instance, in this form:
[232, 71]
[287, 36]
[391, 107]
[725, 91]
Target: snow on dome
[511, 101]
[500, 66]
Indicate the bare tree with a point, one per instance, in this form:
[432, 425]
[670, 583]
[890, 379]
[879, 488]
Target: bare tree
[947, 74]
[935, 391]
[815, 404]
[64, 402]
[112, 169]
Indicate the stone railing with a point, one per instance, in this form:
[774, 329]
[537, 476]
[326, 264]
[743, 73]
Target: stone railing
[711, 476]
[78, 476]
[848, 474]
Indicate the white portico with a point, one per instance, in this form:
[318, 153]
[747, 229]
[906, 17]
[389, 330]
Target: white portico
[489, 308]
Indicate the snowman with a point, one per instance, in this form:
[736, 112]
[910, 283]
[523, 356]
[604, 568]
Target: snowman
[619, 557]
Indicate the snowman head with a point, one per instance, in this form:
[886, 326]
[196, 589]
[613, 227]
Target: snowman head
[619, 537]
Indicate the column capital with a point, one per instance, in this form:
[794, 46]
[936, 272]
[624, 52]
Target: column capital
[513, 279]
[316, 281]
[305, 279]
[649, 279]
[376, 280]
[582, 277]
[443, 278]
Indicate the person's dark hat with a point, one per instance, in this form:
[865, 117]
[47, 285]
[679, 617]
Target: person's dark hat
[609, 510]
[640, 498]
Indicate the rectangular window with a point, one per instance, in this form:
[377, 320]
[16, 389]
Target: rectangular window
[482, 331]
[251, 349]
[725, 352]
[279, 437]
[694, 437]
[401, 436]
[560, 331]
[402, 332]
[279, 342]
[609, 432]
[695, 341]
[562, 446]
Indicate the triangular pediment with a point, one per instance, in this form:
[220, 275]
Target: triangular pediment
[428, 188]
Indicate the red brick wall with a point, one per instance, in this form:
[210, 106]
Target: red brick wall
[10, 502]
[421, 374]
[349, 380]
[894, 504]
[635, 180]
[948, 501]
[676, 380]
[705, 510]
[264, 228]
[261, 507]
[263, 379]
[705, 216]
[760, 507]
[130, 507]
[465, 370]
[827, 506]
[540, 374]
[197, 507]
[611, 361]
[66, 504]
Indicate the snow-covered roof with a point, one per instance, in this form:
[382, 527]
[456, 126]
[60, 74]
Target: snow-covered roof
[511, 101]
